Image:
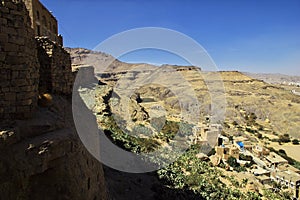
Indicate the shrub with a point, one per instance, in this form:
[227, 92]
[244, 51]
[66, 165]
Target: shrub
[261, 128]
[250, 130]
[282, 152]
[295, 141]
[233, 162]
[284, 138]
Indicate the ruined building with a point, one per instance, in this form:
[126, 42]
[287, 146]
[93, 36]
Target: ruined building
[41, 156]
[42, 21]
[29, 65]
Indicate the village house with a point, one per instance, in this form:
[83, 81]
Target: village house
[223, 140]
[244, 145]
[225, 152]
[288, 167]
[274, 160]
[263, 179]
[207, 134]
[260, 151]
[259, 171]
[289, 179]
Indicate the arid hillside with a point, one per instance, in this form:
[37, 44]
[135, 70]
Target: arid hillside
[276, 109]
[150, 102]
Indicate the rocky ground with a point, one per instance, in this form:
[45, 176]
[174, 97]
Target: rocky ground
[43, 158]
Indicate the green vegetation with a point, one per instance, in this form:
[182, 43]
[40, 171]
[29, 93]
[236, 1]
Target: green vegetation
[247, 158]
[116, 130]
[168, 131]
[285, 138]
[277, 193]
[232, 162]
[129, 142]
[295, 141]
[189, 173]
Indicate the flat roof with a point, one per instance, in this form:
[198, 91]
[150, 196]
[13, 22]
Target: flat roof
[288, 175]
[263, 177]
[275, 158]
[288, 167]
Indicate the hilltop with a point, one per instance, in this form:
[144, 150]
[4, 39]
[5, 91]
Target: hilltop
[244, 94]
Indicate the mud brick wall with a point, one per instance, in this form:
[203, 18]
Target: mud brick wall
[55, 67]
[19, 67]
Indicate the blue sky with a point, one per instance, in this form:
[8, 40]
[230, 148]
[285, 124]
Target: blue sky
[253, 36]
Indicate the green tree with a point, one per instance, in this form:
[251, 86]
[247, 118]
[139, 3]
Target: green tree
[233, 162]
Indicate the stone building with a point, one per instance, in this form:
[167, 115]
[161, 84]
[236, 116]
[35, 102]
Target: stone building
[41, 156]
[224, 152]
[207, 134]
[29, 65]
[19, 66]
[289, 167]
[260, 151]
[42, 21]
[273, 160]
[289, 179]
[55, 68]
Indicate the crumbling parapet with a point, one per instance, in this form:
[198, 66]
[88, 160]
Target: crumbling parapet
[19, 67]
[55, 67]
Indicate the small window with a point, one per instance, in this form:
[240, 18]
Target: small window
[38, 30]
[54, 28]
[38, 15]
[44, 21]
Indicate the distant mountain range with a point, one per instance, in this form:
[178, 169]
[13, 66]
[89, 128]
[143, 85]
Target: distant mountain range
[274, 78]
[82, 56]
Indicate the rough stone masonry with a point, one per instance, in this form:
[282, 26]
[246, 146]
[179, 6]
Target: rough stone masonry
[28, 65]
[19, 67]
[41, 156]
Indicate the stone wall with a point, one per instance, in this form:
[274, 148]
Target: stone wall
[55, 67]
[23, 68]
[41, 156]
[19, 67]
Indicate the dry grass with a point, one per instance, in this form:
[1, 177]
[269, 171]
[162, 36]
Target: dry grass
[290, 149]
